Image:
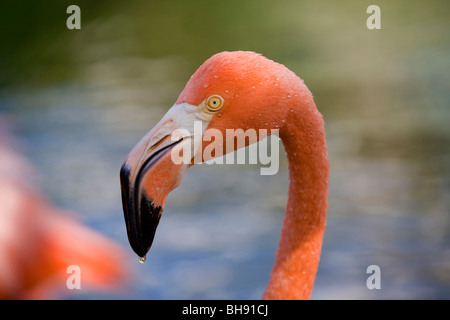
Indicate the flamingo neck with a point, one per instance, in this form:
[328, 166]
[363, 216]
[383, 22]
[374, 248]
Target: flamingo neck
[298, 255]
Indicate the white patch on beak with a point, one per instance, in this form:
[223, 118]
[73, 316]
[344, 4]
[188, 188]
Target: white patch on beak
[182, 121]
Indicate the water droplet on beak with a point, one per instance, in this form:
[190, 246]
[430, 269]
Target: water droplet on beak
[142, 259]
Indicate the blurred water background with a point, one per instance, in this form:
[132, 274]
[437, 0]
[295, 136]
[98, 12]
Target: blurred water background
[79, 100]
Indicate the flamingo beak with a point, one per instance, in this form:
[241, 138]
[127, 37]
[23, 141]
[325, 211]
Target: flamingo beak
[149, 174]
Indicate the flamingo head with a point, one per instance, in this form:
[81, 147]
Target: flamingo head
[231, 91]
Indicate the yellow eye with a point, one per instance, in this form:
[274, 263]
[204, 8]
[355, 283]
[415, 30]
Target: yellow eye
[214, 103]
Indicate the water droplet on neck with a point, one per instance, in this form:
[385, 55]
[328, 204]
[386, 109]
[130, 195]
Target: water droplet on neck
[206, 85]
[142, 259]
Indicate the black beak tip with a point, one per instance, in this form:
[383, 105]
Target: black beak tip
[141, 215]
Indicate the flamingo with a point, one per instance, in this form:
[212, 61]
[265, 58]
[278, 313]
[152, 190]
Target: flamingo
[40, 244]
[239, 90]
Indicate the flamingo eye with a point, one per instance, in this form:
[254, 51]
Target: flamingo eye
[214, 103]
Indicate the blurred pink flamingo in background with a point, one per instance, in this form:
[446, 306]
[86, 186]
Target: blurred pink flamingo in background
[38, 242]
